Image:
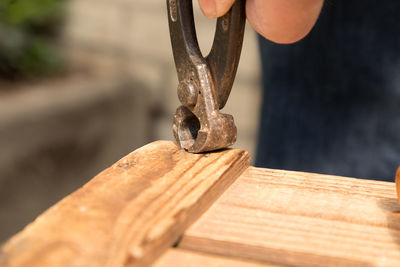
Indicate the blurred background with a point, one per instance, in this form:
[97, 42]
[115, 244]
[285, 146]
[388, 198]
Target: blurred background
[83, 83]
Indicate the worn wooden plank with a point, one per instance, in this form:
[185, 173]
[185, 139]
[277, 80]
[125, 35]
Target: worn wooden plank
[130, 213]
[397, 180]
[184, 258]
[302, 219]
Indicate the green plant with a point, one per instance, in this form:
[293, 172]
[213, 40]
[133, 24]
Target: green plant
[28, 30]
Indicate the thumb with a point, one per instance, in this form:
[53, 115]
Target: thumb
[215, 8]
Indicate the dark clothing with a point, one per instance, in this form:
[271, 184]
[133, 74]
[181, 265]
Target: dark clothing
[331, 102]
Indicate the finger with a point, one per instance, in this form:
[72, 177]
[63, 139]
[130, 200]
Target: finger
[215, 8]
[283, 21]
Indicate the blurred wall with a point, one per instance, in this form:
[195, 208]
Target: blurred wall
[131, 39]
[57, 134]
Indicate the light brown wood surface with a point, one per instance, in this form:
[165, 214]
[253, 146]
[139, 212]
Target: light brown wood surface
[128, 214]
[185, 258]
[397, 180]
[302, 219]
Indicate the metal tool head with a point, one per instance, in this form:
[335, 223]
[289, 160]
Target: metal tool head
[205, 82]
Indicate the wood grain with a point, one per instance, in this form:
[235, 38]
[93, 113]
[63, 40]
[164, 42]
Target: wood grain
[130, 213]
[302, 219]
[184, 258]
[397, 180]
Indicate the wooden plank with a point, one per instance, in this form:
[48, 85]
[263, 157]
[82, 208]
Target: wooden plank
[183, 258]
[302, 219]
[397, 180]
[130, 213]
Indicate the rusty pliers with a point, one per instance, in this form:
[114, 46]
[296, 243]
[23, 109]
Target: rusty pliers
[204, 82]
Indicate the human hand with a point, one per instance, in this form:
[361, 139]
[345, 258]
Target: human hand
[281, 21]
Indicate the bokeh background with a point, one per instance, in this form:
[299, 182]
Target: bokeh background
[84, 82]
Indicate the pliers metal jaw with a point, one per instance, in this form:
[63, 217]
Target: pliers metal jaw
[204, 82]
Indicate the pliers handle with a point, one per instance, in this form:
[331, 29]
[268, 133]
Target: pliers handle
[205, 82]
